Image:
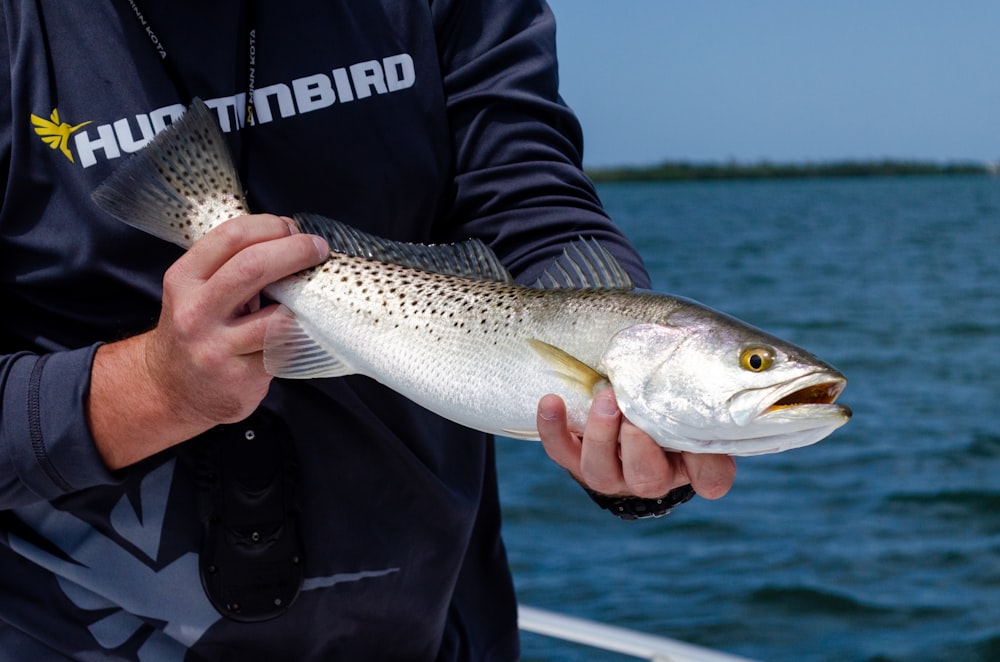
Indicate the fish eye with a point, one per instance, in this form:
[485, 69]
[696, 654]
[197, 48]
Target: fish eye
[756, 359]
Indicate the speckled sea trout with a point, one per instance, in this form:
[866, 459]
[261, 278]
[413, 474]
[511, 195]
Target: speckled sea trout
[446, 326]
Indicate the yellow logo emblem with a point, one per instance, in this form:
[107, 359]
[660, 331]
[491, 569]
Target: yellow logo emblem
[54, 133]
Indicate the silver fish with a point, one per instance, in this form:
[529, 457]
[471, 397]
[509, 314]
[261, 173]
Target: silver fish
[446, 326]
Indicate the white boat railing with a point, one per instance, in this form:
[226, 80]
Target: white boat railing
[616, 639]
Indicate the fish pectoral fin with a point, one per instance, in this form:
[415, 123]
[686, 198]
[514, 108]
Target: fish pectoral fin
[577, 374]
[290, 351]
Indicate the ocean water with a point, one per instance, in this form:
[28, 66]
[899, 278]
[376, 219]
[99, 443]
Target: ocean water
[881, 542]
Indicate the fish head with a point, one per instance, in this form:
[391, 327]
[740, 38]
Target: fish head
[706, 383]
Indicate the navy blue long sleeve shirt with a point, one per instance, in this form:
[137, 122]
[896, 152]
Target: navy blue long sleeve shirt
[419, 121]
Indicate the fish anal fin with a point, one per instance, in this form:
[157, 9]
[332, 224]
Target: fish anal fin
[575, 373]
[290, 351]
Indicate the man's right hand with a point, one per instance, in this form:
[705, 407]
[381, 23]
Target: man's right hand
[202, 365]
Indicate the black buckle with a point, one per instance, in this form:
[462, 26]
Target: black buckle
[251, 561]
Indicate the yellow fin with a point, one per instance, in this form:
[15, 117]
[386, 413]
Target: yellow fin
[577, 374]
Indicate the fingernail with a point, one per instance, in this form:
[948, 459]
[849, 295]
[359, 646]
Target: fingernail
[547, 413]
[322, 248]
[547, 409]
[293, 227]
[605, 406]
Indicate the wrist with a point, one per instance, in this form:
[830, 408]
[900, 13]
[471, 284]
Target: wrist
[130, 418]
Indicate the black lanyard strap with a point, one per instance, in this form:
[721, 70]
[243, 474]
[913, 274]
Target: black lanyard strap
[168, 63]
[248, 22]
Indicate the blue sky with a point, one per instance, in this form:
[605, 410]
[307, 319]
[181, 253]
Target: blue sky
[784, 80]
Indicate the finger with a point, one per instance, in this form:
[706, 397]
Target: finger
[247, 332]
[560, 444]
[647, 469]
[213, 250]
[255, 267]
[711, 476]
[600, 463]
[251, 306]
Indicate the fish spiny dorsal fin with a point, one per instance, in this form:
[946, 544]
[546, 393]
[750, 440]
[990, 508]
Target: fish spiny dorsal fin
[585, 264]
[179, 186]
[468, 259]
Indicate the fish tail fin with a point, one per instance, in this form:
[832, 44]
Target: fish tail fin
[179, 186]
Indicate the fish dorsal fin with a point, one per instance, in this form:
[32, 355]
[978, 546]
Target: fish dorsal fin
[292, 352]
[468, 259]
[578, 375]
[588, 265]
[181, 185]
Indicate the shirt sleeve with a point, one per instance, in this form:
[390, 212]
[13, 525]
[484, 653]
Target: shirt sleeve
[46, 449]
[519, 182]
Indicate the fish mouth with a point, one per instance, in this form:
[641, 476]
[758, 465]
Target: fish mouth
[797, 413]
[809, 397]
[804, 404]
[824, 393]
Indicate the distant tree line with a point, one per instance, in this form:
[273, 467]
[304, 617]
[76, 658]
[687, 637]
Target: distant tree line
[681, 170]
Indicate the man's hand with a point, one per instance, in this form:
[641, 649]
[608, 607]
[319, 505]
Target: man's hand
[616, 458]
[202, 365]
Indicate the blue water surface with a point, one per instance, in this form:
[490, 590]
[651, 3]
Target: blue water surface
[881, 542]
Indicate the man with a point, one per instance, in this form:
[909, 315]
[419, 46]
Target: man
[162, 497]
